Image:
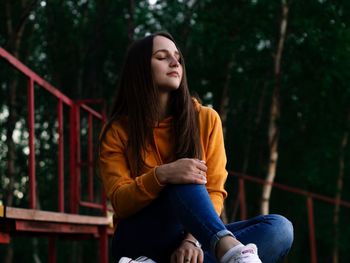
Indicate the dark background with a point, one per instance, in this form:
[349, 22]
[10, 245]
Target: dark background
[230, 48]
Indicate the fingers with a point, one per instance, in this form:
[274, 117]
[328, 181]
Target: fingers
[188, 256]
[193, 256]
[200, 257]
[197, 257]
[187, 253]
[192, 164]
[199, 177]
[200, 164]
[200, 172]
[181, 256]
[184, 171]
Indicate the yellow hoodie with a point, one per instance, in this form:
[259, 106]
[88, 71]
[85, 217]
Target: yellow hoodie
[130, 193]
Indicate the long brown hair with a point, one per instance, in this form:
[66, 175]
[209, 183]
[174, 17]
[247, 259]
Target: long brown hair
[137, 99]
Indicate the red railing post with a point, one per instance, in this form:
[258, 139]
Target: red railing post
[103, 244]
[310, 210]
[4, 238]
[31, 131]
[104, 197]
[73, 159]
[52, 250]
[60, 157]
[90, 159]
[78, 155]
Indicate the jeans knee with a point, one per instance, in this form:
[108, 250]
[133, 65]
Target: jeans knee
[283, 231]
[184, 187]
[185, 191]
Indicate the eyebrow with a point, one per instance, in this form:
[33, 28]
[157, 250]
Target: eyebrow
[166, 51]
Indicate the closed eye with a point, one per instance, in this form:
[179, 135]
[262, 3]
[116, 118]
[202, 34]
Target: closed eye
[169, 58]
[165, 54]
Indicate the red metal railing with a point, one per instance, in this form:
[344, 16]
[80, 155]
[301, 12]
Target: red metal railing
[74, 138]
[90, 160]
[310, 197]
[75, 162]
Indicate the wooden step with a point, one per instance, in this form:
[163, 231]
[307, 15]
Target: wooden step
[15, 221]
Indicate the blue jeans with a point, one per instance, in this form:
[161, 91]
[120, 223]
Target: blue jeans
[158, 229]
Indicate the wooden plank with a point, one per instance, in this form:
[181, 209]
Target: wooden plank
[55, 228]
[37, 215]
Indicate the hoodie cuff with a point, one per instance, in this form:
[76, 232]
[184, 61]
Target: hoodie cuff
[151, 183]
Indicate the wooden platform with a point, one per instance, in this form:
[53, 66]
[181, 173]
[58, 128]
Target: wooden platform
[15, 221]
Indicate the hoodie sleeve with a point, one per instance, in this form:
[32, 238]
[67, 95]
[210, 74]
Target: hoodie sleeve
[215, 158]
[128, 194]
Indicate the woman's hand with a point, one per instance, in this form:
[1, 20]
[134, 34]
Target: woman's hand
[182, 171]
[187, 253]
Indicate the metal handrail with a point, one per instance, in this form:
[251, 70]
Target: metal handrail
[75, 107]
[310, 197]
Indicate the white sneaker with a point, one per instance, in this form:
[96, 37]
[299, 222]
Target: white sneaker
[139, 259]
[248, 254]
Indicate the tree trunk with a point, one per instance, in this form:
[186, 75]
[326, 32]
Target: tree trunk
[338, 195]
[273, 132]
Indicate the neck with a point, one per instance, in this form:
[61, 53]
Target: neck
[164, 109]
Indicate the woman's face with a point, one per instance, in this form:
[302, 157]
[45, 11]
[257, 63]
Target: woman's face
[166, 67]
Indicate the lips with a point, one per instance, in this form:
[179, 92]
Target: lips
[173, 74]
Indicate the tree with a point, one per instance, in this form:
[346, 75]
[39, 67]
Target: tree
[275, 113]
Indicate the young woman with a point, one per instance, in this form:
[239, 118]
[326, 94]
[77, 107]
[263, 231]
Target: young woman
[162, 163]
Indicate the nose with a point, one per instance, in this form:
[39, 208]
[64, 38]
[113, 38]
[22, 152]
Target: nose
[174, 62]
